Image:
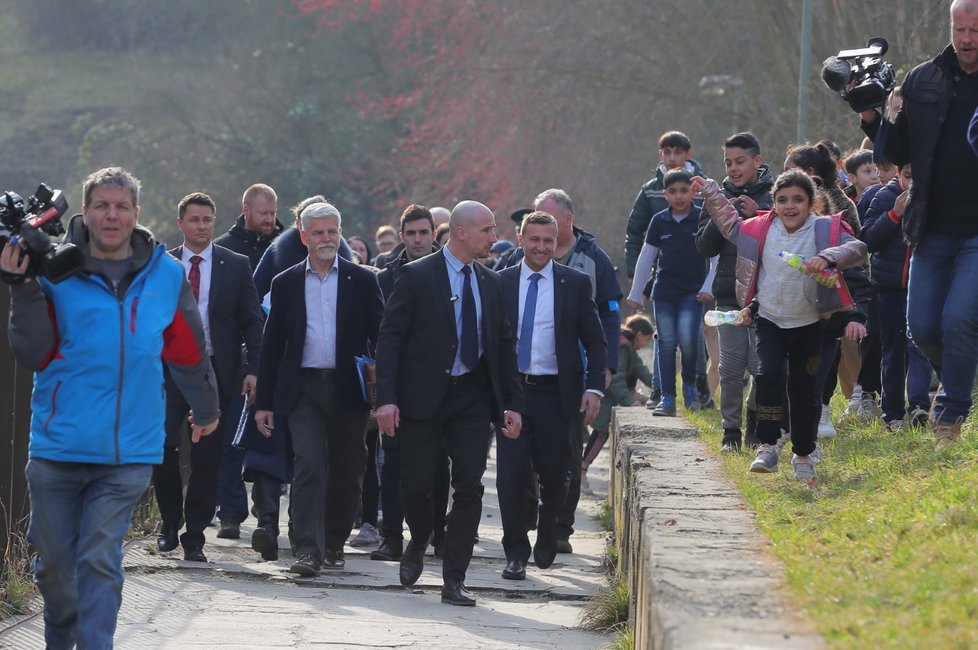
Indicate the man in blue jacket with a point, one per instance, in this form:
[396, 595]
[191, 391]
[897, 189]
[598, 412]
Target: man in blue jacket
[96, 343]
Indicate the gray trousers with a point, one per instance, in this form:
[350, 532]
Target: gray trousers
[330, 452]
[738, 354]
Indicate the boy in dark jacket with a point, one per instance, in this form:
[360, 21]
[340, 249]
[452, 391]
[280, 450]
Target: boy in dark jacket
[902, 365]
[748, 186]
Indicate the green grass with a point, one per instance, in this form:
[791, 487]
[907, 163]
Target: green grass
[625, 640]
[605, 517]
[17, 591]
[883, 553]
[607, 609]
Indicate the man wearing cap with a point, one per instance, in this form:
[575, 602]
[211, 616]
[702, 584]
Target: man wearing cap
[325, 311]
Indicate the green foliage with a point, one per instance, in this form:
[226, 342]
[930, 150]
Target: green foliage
[881, 553]
[17, 591]
[605, 517]
[145, 516]
[608, 609]
[624, 641]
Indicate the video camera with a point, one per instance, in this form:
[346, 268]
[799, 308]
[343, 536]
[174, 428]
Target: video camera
[33, 222]
[874, 78]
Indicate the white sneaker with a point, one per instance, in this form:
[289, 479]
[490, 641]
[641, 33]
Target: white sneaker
[868, 408]
[368, 536]
[804, 469]
[852, 410]
[816, 456]
[826, 429]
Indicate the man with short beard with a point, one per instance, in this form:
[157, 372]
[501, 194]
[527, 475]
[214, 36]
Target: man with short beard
[256, 226]
[325, 311]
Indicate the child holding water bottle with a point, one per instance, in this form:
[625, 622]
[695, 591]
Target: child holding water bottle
[786, 304]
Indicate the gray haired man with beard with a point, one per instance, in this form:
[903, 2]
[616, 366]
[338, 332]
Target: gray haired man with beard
[325, 311]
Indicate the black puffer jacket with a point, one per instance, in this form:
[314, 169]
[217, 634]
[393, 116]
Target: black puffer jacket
[250, 243]
[890, 261]
[710, 242]
[913, 138]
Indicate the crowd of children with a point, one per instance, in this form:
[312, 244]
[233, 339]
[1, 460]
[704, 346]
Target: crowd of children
[834, 315]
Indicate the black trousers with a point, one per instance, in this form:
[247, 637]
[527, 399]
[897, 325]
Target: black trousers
[544, 447]
[371, 479]
[390, 489]
[460, 430]
[330, 454]
[871, 351]
[197, 509]
[801, 347]
[568, 510]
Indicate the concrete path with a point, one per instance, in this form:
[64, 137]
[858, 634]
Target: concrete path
[239, 601]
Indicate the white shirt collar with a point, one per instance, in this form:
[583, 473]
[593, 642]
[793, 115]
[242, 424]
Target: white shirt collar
[336, 265]
[205, 254]
[546, 271]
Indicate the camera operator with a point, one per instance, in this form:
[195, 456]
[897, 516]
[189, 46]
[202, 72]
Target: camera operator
[96, 343]
[941, 218]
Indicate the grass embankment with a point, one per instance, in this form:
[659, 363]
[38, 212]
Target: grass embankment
[884, 552]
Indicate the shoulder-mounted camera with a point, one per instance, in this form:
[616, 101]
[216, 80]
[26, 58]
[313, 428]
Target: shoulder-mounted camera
[861, 77]
[32, 222]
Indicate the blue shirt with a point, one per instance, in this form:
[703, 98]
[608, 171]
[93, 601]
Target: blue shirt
[456, 280]
[681, 269]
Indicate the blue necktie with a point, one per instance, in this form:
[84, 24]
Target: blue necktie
[526, 328]
[469, 352]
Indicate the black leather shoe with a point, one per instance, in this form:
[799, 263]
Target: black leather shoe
[391, 549]
[564, 546]
[168, 539]
[412, 563]
[230, 529]
[544, 552]
[454, 593]
[515, 570]
[334, 560]
[306, 566]
[194, 555]
[265, 542]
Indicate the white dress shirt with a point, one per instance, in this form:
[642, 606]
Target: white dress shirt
[204, 293]
[319, 348]
[456, 279]
[543, 346]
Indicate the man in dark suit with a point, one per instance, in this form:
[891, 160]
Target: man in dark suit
[228, 304]
[446, 368]
[325, 311]
[417, 240]
[551, 311]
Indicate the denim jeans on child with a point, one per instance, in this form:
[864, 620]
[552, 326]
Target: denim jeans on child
[80, 514]
[678, 322]
[942, 315]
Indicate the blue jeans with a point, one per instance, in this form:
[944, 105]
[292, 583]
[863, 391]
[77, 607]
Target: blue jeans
[678, 322]
[942, 315]
[80, 514]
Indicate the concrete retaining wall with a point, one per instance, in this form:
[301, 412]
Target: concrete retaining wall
[700, 574]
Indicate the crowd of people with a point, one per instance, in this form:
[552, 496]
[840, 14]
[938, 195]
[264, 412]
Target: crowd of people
[377, 382]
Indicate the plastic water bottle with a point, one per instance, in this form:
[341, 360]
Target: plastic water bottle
[826, 278]
[714, 317]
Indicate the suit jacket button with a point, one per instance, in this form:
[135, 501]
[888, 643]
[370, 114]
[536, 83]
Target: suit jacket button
[448, 371]
[454, 347]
